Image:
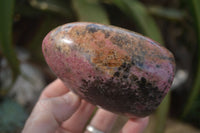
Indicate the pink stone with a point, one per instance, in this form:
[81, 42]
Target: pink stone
[114, 68]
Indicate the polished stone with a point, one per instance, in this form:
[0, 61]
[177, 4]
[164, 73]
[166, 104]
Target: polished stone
[114, 68]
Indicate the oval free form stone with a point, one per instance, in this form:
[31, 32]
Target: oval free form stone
[116, 69]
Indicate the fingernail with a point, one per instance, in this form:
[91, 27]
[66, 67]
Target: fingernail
[71, 98]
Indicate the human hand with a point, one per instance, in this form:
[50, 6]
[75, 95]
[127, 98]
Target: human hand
[60, 111]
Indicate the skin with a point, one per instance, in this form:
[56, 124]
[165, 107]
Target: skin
[60, 111]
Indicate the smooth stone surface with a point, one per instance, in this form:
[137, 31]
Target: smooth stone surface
[119, 70]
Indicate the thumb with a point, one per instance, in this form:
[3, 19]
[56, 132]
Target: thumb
[49, 113]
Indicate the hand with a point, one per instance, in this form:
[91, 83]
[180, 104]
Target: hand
[60, 111]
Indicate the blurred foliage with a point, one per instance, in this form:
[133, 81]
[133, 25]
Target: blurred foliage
[8, 50]
[195, 7]
[172, 14]
[12, 116]
[138, 12]
[194, 113]
[171, 23]
[52, 6]
[161, 114]
[90, 11]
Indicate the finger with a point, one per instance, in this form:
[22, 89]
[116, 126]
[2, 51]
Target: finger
[103, 120]
[56, 88]
[49, 113]
[77, 122]
[135, 126]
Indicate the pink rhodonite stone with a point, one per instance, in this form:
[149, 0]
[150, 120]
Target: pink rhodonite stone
[117, 69]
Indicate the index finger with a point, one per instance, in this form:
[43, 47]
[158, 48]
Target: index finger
[54, 89]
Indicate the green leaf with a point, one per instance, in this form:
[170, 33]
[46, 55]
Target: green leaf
[90, 11]
[6, 15]
[139, 13]
[196, 87]
[168, 13]
[12, 116]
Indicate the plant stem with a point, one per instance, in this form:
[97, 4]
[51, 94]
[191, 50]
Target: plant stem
[161, 114]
